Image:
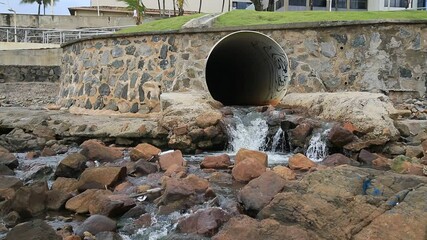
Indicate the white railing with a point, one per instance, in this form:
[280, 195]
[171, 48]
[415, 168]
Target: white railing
[56, 36]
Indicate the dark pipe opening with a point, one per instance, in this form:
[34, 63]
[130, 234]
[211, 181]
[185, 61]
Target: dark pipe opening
[247, 68]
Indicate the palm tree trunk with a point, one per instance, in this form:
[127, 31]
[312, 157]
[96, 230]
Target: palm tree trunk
[200, 6]
[174, 7]
[38, 12]
[223, 3]
[336, 5]
[160, 9]
[229, 5]
[164, 7]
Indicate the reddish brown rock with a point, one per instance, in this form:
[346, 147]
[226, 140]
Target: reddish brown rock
[340, 136]
[56, 199]
[82, 202]
[366, 157]
[208, 119]
[96, 150]
[247, 170]
[381, 163]
[300, 162]
[103, 176]
[221, 177]
[414, 151]
[337, 159]
[32, 230]
[300, 133]
[203, 222]
[7, 182]
[244, 227]
[175, 170]
[244, 153]
[167, 159]
[259, 191]
[142, 168]
[8, 158]
[111, 205]
[96, 224]
[67, 185]
[47, 152]
[284, 172]
[71, 166]
[30, 200]
[44, 132]
[144, 151]
[217, 162]
[32, 155]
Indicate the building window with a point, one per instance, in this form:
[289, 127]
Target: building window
[341, 3]
[421, 4]
[319, 3]
[395, 3]
[297, 2]
[359, 4]
[280, 4]
[241, 5]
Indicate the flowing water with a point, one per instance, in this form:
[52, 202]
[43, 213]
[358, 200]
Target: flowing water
[317, 149]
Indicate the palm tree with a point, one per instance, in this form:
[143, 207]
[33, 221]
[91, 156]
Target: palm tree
[160, 8]
[174, 8]
[39, 2]
[200, 6]
[223, 3]
[47, 3]
[136, 5]
[257, 4]
[180, 7]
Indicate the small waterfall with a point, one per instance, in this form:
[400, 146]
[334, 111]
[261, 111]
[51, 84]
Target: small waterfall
[249, 131]
[279, 141]
[317, 149]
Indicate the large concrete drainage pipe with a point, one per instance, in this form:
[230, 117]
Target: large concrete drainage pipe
[247, 68]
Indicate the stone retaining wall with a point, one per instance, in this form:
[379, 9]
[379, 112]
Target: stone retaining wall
[30, 73]
[121, 72]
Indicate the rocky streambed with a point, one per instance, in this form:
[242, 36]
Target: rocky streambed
[352, 166]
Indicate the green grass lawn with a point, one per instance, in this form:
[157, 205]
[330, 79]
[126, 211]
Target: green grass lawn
[173, 23]
[245, 18]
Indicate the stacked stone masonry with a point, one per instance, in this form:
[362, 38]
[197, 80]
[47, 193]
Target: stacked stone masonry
[30, 73]
[127, 73]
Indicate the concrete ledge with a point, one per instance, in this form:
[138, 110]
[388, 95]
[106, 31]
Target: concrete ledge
[302, 25]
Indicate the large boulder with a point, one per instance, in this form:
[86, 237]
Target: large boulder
[167, 159]
[67, 185]
[30, 200]
[96, 150]
[142, 167]
[300, 133]
[259, 191]
[71, 166]
[216, 162]
[204, 222]
[96, 224]
[368, 112]
[144, 151]
[102, 176]
[300, 162]
[56, 199]
[247, 170]
[34, 230]
[284, 172]
[244, 227]
[112, 205]
[207, 119]
[339, 202]
[244, 153]
[82, 202]
[337, 159]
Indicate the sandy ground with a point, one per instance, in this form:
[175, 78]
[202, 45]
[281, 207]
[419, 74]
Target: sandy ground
[37, 94]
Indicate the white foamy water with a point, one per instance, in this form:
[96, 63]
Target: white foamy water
[317, 149]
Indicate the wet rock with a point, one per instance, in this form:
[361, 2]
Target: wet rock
[142, 167]
[103, 176]
[33, 230]
[243, 153]
[108, 236]
[336, 202]
[12, 219]
[96, 224]
[134, 212]
[366, 157]
[32, 155]
[8, 159]
[340, 136]
[221, 177]
[82, 202]
[244, 227]
[4, 170]
[169, 158]
[112, 205]
[247, 170]
[259, 191]
[71, 166]
[284, 172]
[8, 187]
[208, 119]
[96, 150]
[300, 162]
[300, 133]
[144, 151]
[31, 200]
[337, 159]
[67, 185]
[37, 172]
[216, 162]
[204, 222]
[182, 193]
[176, 171]
[44, 132]
[47, 152]
[56, 199]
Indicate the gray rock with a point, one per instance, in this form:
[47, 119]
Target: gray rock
[33, 230]
[96, 224]
[117, 52]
